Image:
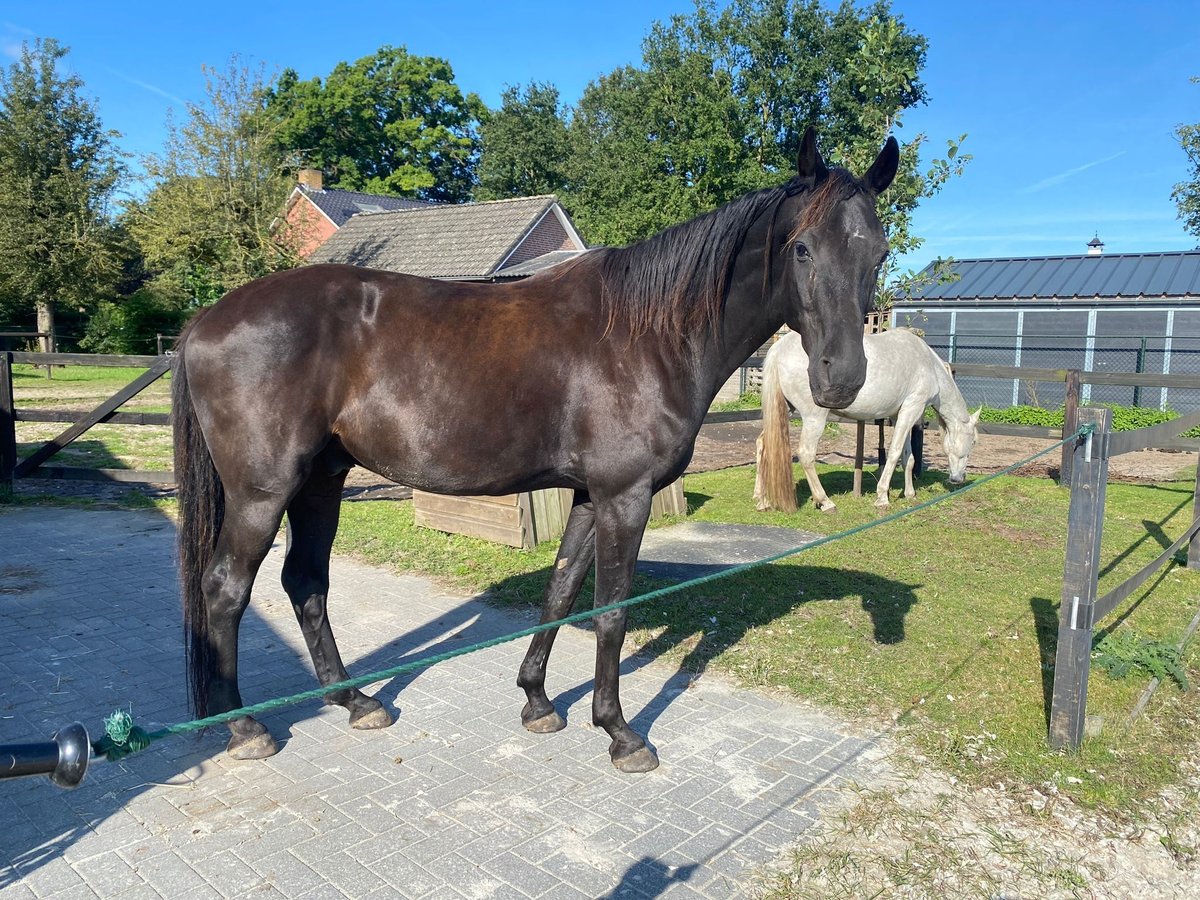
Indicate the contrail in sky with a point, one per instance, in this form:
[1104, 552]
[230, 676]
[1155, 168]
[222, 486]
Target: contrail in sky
[1063, 176]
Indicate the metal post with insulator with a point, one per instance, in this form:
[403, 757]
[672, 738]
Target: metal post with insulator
[65, 758]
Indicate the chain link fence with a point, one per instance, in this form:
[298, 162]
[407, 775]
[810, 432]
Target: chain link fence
[1155, 355]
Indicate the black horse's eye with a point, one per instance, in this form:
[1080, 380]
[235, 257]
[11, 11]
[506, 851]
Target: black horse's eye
[800, 250]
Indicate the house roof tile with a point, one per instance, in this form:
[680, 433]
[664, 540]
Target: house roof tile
[468, 240]
[340, 205]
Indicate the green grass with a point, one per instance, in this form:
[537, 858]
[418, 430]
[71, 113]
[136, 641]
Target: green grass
[941, 626]
[140, 447]
[946, 623]
[84, 387]
[748, 400]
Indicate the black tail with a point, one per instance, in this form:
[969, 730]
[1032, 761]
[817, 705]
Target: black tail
[201, 510]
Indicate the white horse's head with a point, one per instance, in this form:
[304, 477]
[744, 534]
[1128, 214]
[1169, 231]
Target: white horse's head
[958, 440]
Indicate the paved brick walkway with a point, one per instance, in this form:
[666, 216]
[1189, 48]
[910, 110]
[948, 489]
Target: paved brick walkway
[455, 800]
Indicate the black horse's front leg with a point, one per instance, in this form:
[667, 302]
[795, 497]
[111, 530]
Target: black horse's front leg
[620, 522]
[575, 555]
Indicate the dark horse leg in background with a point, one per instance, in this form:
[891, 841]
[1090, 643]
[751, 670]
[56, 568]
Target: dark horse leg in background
[312, 524]
[575, 555]
[245, 539]
[620, 521]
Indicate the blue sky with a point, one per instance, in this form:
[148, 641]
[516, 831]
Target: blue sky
[1069, 109]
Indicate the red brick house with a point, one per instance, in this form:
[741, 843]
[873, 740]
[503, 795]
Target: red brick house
[314, 213]
[466, 241]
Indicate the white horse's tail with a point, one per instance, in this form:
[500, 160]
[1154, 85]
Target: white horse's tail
[774, 487]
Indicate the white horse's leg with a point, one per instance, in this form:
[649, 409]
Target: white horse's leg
[810, 434]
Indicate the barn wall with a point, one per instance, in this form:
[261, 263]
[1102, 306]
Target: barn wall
[1153, 340]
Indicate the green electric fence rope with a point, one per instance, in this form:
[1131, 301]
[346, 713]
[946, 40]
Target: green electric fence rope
[123, 738]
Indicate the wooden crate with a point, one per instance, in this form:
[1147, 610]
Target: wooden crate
[519, 520]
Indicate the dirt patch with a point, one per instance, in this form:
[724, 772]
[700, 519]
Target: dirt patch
[732, 444]
[906, 829]
[18, 580]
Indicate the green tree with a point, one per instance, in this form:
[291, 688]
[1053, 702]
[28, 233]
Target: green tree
[524, 145]
[389, 123]
[208, 223]
[721, 101]
[1187, 193]
[58, 171]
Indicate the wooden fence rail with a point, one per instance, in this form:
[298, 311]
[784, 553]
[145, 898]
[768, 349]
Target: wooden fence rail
[1081, 610]
[12, 468]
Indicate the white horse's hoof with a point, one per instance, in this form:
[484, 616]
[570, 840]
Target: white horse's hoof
[827, 507]
[882, 503]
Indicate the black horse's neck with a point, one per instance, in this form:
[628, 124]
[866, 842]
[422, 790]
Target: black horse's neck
[752, 311]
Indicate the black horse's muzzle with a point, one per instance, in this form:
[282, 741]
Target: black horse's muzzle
[835, 383]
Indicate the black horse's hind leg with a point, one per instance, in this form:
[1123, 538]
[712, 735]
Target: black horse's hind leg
[245, 539]
[575, 555]
[620, 522]
[312, 524]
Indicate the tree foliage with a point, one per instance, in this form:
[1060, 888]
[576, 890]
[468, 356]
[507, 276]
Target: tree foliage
[524, 145]
[58, 171]
[389, 123]
[1187, 193]
[721, 101]
[219, 187]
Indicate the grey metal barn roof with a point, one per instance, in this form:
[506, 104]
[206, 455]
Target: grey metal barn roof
[1109, 276]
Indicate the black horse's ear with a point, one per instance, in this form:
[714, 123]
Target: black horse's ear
[883, 170]
[809, 165]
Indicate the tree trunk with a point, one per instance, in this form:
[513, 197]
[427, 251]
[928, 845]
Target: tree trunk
[47, 343]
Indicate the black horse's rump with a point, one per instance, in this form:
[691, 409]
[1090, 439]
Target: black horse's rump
[595, 376]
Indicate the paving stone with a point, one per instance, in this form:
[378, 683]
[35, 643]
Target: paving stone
[454, 800]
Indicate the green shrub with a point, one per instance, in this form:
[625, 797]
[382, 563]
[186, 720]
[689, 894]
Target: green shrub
[130, 324]
[1123, 651]
[1125, 418]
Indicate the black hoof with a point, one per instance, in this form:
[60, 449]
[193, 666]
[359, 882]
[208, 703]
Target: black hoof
[544, 724]
[640, 760]
[254, 746]
[368, 719]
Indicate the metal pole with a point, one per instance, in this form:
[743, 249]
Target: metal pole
[65, 759]
[1139, 368]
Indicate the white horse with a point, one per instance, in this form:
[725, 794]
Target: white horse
[903, 377]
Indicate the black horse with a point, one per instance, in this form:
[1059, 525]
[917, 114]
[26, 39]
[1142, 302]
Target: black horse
[595, 376]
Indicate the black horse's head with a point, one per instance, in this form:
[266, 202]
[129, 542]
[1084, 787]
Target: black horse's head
[832, 255]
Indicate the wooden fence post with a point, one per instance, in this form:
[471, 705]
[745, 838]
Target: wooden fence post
[1193, 556]
[8, 423]
[1085, 524]
[918, 447]
[1070, 423]
[859, 441]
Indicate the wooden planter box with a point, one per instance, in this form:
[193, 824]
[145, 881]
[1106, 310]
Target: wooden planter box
[519, 520]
